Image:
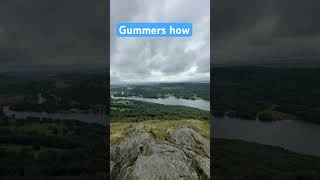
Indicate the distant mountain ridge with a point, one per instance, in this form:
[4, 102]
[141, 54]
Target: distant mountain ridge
[275, 62]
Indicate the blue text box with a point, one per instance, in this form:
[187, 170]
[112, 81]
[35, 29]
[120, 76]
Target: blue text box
[154, 29]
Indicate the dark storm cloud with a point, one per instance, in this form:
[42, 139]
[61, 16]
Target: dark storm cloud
[251, 31]
[298, 18]
[52, 32]
[232, 16]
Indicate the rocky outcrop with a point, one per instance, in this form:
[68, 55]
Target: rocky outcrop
[184, 155]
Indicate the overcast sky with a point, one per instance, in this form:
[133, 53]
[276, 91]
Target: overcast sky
[52, 33]
[253, 31]
[161, 59]
[72, 33]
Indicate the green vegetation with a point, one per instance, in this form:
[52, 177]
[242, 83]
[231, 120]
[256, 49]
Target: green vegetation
[239, 160]
[267, 93]
[163, 90]
[160, 128]
[131, 110]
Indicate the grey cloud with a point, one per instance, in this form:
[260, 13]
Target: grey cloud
[161, 59]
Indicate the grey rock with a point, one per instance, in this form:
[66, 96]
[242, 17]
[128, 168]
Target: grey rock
[111, 165]
[196, 146]
[190, 139]
[141, 156]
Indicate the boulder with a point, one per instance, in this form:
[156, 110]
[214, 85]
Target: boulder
[185, 155]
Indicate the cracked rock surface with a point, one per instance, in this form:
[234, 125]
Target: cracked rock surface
[184, 155]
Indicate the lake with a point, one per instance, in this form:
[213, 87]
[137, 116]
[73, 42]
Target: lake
[84, 117]
[297, 136]
[173, 101]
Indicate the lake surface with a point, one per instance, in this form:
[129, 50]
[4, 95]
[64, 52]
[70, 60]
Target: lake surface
[297, 136]
[173, 101]
[84, 117]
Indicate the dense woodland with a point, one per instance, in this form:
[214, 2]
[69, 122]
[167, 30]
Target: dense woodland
[36, 148]
[240, 160]
[266, 93]
[130, 110]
